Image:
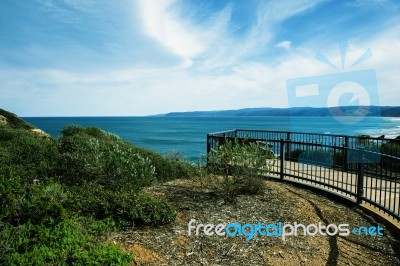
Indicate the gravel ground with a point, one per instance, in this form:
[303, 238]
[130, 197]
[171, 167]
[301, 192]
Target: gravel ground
[171, 245]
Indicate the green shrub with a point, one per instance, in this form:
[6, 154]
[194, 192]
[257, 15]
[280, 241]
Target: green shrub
[43, 204]
[34, 154]
[47, 186]
[252, 186]
[66, 243]
[7, 133]
[174, 156]
[166, 168]
[93, 200]
[241, 164]
[21, 203]
[93, 154]
[125, 207]
[77, 130]
[97, 228]
[106, 160]
[238, 159]
[150, 210]
[11, 192]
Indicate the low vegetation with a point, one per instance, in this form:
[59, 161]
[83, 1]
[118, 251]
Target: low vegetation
[241, 164]
[59, 198]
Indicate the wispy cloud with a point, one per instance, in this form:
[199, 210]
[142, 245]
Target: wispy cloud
[161, 21]
[261, 30]
[284, 44]
[57, 12]
[361, 3]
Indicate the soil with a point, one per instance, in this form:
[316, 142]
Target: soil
[281, 202]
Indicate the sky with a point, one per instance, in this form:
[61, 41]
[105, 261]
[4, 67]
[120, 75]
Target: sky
[144, 57]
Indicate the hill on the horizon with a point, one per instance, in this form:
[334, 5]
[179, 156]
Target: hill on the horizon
[385, 111]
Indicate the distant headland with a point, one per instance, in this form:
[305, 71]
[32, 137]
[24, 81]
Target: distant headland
[377, 111]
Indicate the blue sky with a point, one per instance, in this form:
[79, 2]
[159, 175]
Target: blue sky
[126, 57]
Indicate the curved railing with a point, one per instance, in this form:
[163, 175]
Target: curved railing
[359, 168]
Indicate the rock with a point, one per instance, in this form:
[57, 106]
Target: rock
[40, 132]
[3, 120]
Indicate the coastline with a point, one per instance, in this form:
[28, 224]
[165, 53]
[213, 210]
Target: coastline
[187, 135]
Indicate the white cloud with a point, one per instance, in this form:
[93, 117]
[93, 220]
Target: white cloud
[284, 44]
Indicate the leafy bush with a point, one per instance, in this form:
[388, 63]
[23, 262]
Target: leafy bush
[11, 191]
[237, 159]
[149, 210]
[166, 168]
[67, 243]
[43, 204]
[21, 203]
[174, 156]
[92, 155]
[241, 165]
[47, 186]
[125, 207]
[35, 154]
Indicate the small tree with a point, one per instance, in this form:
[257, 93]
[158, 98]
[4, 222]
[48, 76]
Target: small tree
[241, 164]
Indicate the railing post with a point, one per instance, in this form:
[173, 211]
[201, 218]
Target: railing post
[208, 147]
[287, 155]
[346, 148]
[360, 182]
[282, 173]
[208, 144]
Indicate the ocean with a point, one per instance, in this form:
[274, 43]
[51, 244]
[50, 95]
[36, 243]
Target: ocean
[187, 135]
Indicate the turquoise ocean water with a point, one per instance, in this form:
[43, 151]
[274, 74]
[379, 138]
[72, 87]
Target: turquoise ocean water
[187, 135]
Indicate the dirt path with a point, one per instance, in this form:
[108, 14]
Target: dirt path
[171, 245]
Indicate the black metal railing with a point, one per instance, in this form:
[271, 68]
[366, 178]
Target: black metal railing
[359, 168]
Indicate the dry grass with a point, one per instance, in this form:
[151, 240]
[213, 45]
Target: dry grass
[171, 245]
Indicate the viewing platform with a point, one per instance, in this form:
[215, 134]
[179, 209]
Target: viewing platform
[361, 169]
